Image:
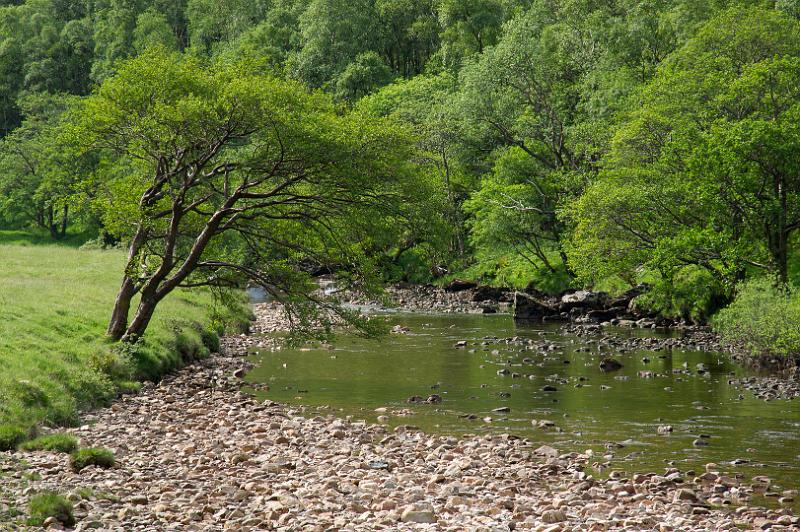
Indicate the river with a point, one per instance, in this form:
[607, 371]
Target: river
[616, 414]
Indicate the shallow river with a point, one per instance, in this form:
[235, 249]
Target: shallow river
[603, 412]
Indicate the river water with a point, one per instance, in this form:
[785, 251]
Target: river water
[614, 414]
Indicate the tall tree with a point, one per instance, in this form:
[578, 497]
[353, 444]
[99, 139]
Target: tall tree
[701, 172]
[229, 174]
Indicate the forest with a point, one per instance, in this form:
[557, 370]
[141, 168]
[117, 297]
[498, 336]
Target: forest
[536, 144]
[400, 265]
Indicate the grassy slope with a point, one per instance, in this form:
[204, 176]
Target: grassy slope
[55, 301]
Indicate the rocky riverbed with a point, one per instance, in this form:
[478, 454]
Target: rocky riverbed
[195, 453]
[589, 315]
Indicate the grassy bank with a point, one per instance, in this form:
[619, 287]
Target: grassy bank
[55, 301]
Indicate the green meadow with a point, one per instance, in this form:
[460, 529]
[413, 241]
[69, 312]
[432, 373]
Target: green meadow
[55, 301]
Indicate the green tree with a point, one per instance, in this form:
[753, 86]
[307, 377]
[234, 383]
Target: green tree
[153, 29]
[216, 174]
[213, 22]
[425, 103]
[525, 96]
[701, 174]
[38, 176]
[333, 33]
[366, 73]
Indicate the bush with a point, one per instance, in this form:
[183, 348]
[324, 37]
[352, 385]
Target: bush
[115, 363]
[49, 504]
[692, 294]
[210, 339]
[763, 319]
[91, 457]
[62, 443]
[11, 436]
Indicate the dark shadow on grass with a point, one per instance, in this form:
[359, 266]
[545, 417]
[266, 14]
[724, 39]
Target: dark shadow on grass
[22, 237]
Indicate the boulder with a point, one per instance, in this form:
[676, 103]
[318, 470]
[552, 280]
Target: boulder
[609, 364]
[584, 298]
[459, 285]
[527, 307]
[489, 293]
[601, 315]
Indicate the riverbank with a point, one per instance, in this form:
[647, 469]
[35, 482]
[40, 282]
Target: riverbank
[195, 453]
[55, 361]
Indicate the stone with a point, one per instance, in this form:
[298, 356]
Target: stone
[609, 364]
[553, 516]
[412, 515]
[546, 450]
[584, 298]
[528, 308]
[459, 285]
[684, 495]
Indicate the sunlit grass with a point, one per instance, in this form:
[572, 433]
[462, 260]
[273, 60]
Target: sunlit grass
[55, 301]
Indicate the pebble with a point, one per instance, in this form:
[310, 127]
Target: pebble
[195, 453]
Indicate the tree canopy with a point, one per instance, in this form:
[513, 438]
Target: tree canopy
[528, 143]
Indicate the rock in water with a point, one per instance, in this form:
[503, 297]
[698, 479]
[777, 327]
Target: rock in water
[584, 298]
[609, 364]
[528, 308]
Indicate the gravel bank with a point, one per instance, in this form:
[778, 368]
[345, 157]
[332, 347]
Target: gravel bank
[194, 453]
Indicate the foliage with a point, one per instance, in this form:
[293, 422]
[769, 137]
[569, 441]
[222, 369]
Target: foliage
[218, 174]
[699, 174]
[59, 442]
[522, 142]
[11, 436]
[763, 319]
[97, 457]
[50, 504]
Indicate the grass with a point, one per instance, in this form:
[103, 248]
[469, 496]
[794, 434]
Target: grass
[11, 436]
[62, 443]
[97, 457]
[55, 300]
[49, 504]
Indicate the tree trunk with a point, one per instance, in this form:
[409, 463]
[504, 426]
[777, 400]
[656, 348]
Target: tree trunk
[122, 306]
[144, 313]
[51, 223]
[781, 258]
[64, 220]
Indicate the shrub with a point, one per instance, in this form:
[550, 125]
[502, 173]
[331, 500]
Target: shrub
[763, 319]
[210, 339]
[62, 443]
[11, 436]
[691, 293]
[116, 363]
[49, 504]
[93, 456]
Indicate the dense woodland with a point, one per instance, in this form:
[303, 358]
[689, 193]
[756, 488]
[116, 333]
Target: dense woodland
[528, 143]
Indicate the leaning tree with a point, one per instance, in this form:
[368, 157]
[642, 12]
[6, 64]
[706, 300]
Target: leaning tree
[217, 174]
